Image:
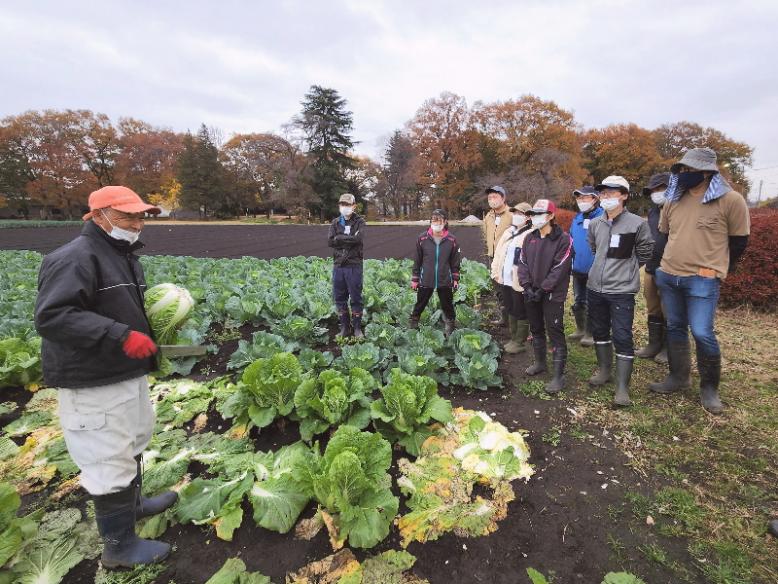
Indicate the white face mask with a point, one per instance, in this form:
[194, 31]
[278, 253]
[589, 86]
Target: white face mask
[610, 204]
[346, 211]
[436, 227]
[658, 198]
[539, 221]
[121, 234]
[495, 204]
[584, 207]
[519, 220]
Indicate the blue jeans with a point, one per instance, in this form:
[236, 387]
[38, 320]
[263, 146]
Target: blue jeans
[613, 313]
[690, 302]
[347, 285]
[579, 289]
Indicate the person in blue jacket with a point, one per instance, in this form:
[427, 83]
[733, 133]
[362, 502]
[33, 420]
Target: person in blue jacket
[588, 201]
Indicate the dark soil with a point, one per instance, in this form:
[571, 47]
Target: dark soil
[262, 241]
[570, 521]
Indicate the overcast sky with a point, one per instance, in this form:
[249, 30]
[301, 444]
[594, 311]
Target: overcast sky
[244, 66]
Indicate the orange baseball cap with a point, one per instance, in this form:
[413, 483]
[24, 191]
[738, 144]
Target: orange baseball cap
[119, 198]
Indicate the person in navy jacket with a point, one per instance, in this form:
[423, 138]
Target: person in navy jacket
[588, 202]
[436, 267]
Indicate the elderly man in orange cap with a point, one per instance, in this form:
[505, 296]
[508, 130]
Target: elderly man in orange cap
[97, 350]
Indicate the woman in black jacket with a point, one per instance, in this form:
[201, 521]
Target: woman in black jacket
[544, 266]
[436, 267]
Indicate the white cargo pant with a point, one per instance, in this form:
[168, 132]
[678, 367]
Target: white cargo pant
[105, 427]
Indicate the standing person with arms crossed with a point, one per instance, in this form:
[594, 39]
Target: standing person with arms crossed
[496, 221]
[543, 268]
[706, 226]
[97, 351]
[621, 242]
[656, 348]
[505, 276]
[588, 201]
[346, 238]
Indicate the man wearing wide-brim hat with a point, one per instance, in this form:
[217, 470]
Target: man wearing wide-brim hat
[97, 350]
[706, 224]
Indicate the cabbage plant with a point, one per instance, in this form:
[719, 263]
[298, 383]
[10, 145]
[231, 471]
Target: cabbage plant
[351, 484]
[333, 398]
[266, 391]
[408, 404]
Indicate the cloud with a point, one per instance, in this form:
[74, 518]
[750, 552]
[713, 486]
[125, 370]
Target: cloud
[246, 66]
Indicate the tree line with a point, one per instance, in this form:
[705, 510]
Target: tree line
[443, 157]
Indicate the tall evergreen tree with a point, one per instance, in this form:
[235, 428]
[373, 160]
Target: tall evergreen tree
[200, 173]
[327, 124]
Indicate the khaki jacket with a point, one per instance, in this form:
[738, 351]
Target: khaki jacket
[492, 231]
[499, 257]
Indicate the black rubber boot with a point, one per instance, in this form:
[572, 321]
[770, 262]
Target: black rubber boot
[539, 366]
[449, 325]
[623, 374]
[579, 312]
[709, 367]
[345, 324]
[148, 506]
[115, 516]
[661, 357]
[557, 383]
[413, 323]
[680, 361]
[772, 527]
[604, 353]
[656, 329]
[356, 325]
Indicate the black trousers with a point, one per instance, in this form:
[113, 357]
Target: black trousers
[446, 296]
[547, 317]
[613, 313]
[514, 303]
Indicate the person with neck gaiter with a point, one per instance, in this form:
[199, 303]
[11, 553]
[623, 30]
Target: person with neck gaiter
[436, 265]
[588, 201]
[543, 269]
[97, 350]
[496, 221]
[346, 237]
[656, 348]
[621, 242]
[506, 277]
[706, 225]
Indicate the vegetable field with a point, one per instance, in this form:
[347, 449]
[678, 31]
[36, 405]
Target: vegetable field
[407, 457]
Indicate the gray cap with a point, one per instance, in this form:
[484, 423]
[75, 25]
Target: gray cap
[347, 198]
[586, 190]
[496, 189]
[660, 179]
[614, 181]
[698, 159]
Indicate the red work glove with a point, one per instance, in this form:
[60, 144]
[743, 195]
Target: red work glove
[138, 346]
[414, 285]
[456, 284]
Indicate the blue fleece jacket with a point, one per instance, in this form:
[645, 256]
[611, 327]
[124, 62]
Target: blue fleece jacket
[584, 258]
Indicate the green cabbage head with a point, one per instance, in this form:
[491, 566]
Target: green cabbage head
[167, 307]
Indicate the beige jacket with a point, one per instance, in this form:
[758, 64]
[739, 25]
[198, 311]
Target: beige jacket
[492, 231]
[499, 258]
